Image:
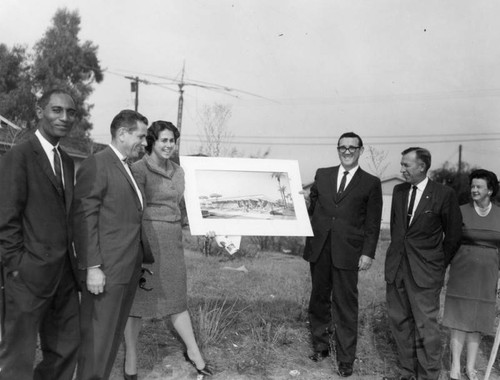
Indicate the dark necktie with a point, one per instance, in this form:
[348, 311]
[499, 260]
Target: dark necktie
[126, 161]
[412, 204]
[57, 168]
[342, 183]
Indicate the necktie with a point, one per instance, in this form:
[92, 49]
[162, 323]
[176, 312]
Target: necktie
[57, 168]
[412, 203]
[342, 183]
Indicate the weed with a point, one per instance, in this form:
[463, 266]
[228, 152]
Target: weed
[213, 320]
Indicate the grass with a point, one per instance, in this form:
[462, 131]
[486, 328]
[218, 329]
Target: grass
[213, 321]
[254, 325]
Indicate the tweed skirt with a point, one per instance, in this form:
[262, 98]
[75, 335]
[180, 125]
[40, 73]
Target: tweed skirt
[168, 281]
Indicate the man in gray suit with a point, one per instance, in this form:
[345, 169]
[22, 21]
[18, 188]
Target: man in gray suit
[108, 211]
[426, 228]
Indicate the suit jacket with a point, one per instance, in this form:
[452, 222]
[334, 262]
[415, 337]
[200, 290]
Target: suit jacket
[163, 190]
[432, 238]
[353, 219]
[164, 193]
[107, 217]
[35, 222]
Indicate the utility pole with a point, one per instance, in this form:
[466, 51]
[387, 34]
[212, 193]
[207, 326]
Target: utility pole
[459, 159]
[134, 87]
[181, 99]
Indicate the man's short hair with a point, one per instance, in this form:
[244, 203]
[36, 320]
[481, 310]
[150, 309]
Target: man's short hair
[422, 154]
[126, 119]
[45, 98]
[351, 135]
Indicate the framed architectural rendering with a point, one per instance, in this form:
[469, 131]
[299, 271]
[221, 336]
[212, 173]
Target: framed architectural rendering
[245, 196]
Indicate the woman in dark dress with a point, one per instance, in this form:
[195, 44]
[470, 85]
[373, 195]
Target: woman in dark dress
[470, 301]
[162, 183]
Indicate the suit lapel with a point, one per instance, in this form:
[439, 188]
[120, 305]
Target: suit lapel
[44, 163]
[119, 164]
[333, 182]
[167, 173]
[404, 203]
[351, 185]
[68, 179]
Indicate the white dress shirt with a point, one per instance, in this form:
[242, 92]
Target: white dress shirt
[348, 178]
[420, 190]
[48, 148]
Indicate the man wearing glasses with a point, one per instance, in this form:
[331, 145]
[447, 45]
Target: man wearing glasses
[345, 209]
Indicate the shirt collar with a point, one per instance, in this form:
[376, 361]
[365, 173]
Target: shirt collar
[351, 171]
[117, 152]
[47, 147]
[422, 184]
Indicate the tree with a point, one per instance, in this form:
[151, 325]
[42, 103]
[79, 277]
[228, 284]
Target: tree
[213, 122]
[62, 61]
[448, 175]
[17, 102]
[281, 189]
[376, 159]
[59, 60]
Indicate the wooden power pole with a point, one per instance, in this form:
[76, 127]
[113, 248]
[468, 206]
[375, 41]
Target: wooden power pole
[459, 159]
[134, 87]
[181, 99]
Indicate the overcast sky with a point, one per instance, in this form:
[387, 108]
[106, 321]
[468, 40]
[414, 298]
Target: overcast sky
[399, 73]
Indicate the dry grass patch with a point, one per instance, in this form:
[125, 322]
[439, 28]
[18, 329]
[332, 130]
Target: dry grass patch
[253, 325]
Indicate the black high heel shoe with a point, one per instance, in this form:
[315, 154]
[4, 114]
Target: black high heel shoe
[206, 371]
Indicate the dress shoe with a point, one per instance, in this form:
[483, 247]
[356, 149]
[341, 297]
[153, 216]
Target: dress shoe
[470, 375]
[205, 371]
[345, 369]
[319, 355]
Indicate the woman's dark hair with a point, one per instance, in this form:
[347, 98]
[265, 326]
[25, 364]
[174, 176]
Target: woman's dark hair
[154, 131]
[490, 178]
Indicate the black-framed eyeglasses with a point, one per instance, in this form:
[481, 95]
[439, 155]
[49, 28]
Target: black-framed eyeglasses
[143, 280]
[351, 149]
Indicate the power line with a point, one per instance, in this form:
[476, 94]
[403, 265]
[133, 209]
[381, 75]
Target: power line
[364, 137]
[269, 143]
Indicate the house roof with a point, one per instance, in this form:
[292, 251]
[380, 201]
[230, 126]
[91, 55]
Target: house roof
[393, 177]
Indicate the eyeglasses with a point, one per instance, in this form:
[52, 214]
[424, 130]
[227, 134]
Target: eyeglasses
[351, 149]
[142, 280]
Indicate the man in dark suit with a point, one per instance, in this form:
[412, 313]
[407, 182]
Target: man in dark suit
[346, 210]
[41, 296]
[108, 211]
[426, 228]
